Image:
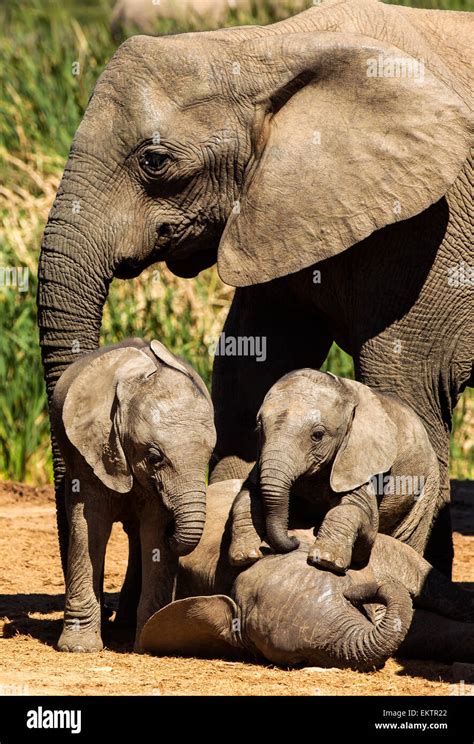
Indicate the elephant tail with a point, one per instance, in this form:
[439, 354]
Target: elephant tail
[365, 646]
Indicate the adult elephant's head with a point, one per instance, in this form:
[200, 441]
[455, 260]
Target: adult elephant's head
[279, 147]
[154, 169]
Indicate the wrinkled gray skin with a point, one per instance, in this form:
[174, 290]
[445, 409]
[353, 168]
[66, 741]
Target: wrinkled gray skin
[282, 150]
[289, 613]
[135, 427]
[351, 461]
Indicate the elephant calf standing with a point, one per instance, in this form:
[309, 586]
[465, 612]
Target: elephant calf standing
[135, 428]
[342, 458]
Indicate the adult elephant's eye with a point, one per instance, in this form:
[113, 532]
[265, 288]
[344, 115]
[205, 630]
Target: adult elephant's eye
[155, 457]
[152, 161]
[317, 435]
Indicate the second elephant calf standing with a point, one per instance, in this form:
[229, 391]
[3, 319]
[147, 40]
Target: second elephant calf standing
[342, 458]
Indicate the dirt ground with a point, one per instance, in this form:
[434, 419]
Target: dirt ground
[31, 598]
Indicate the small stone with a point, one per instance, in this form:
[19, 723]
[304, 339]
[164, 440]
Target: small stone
[101, 669]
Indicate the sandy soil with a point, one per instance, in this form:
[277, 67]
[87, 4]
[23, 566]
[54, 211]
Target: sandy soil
[31, 600]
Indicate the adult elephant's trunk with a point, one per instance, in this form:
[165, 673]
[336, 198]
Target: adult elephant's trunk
[73, 279]
[189, 510]
[277, 473]
[367, 646]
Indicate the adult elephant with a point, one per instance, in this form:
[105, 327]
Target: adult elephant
[327, 158]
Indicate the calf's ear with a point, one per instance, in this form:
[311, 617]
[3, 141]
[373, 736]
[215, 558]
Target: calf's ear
[93, 413]
[166, 357]
[370, 444]
[208, 627]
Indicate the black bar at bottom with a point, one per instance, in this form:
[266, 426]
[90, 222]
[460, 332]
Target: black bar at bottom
[76, 719]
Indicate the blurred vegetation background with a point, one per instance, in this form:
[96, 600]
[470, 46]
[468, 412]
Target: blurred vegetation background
[41, 105]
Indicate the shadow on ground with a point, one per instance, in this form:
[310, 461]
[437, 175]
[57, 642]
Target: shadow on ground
[433, 670]
[35, 615]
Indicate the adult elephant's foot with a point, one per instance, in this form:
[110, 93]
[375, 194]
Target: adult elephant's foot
[325, 554]
[78, 641]
[245, 549]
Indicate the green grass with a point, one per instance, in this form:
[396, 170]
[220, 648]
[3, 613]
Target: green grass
[41, 105]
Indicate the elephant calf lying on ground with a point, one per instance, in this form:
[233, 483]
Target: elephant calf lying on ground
[135, 428]
[289, 613]
[350, 461]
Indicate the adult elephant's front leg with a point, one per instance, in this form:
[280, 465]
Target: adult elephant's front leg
[90, 525]
[267, 334]
[425, 387]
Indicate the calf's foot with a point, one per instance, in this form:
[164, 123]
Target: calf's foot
[245, 549]
[325, 554]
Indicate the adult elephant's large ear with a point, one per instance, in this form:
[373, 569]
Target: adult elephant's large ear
[351, 134]
[93, 413]
[196, 626]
